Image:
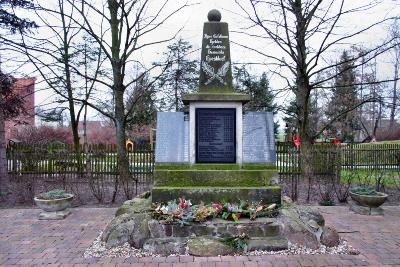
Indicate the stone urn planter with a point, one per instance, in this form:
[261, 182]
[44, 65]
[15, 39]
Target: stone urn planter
[55, 204]
[367, 201]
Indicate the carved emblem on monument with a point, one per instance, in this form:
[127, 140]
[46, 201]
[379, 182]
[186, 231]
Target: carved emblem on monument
[210, 72]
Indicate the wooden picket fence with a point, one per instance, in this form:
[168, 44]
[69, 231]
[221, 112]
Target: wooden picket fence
[327, 158]
[52, 160]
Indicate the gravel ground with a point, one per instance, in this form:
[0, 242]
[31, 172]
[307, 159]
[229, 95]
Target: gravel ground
[99, 250]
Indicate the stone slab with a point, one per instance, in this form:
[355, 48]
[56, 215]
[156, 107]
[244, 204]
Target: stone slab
[267, 194]
[258, 137]
[221, 97]
[172, 138]
[363, 210]
[261, 227]
[54, 215]
[274, 243]
[225, 178]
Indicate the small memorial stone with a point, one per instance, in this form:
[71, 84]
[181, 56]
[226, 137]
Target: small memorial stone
[172, 138]
[258, 137]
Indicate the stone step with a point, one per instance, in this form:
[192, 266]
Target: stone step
[209, 246]
[271, 243]
[262, 227]
[265, 194]
[182, 178]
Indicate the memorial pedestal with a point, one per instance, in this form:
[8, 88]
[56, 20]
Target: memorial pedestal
[216, 152]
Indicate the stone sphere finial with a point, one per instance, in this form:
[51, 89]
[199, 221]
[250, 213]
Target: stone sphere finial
[214, 15]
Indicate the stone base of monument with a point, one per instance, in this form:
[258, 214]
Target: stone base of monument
[54, 215]
[213, 183]
[265, 195]
[135, 224]
[364, 210]
[263, 233]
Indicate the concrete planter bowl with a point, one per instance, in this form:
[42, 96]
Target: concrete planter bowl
[52, 205]
[371, 201]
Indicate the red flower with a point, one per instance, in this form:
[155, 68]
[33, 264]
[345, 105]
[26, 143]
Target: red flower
[183, 203]
[217, 206]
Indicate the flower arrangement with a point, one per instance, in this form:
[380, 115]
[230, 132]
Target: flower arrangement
[184, 211]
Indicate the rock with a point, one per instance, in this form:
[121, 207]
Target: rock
[313, 224]
[146, 194]
[168, 245]
[129, 227]
[295, 228]
[157, 229]
[208, 247]
[135, 205]
[329, 237]
[267, 243]
[274, 181]
[310, 214]
[287, 200]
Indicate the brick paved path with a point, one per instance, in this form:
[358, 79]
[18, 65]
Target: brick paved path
[26, 241]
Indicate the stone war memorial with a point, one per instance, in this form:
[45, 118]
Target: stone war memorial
[216, 152]
[215, 165]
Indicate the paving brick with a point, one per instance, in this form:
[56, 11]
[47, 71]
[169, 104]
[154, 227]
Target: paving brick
[25, 241]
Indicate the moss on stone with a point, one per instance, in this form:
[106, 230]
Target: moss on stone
[228, 178]
[266, 194]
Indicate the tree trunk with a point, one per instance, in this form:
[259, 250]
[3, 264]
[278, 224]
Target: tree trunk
[303, 93]
[394, 98]
[123, 163]
[68, 85]
[4, 179]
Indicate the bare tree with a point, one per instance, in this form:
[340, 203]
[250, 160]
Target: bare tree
[306, 32]
[120, 28]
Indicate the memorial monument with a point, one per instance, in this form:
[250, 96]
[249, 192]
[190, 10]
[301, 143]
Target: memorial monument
[215, 152]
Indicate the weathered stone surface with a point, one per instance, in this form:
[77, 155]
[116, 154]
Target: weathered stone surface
[267, 243]
[54, 215]
[214, 178]
[363, 210]
[266, 194]
[308, 214]
[135, 205]
[296, 228]
[207, 247]
[129, 227]
[51, 205]
[287, 200]
[168, 245]
[329, 237]
[157, 229]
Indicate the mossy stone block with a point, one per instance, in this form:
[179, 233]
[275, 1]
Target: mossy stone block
[224, 178]
[266, 194]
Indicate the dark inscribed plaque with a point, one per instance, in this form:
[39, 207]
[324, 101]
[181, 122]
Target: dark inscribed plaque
[215, 135]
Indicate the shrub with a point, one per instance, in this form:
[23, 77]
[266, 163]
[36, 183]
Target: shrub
[368, 191]
[54, 194]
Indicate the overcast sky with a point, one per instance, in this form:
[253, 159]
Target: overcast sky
[193, 17]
